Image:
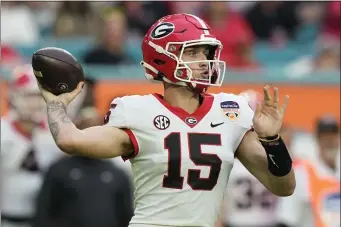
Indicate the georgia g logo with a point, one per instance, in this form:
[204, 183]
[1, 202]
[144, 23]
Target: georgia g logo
[162, 30]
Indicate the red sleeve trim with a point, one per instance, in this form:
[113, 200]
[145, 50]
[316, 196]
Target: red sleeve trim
[135, 144]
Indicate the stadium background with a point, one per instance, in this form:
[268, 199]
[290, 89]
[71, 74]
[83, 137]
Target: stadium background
[294, 45]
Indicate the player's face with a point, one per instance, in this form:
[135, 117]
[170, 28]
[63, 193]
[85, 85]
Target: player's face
[200, 70]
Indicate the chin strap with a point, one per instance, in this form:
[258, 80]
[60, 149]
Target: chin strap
[180, 83]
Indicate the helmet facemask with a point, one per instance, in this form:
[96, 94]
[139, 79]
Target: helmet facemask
[215, 69]
[182, 72]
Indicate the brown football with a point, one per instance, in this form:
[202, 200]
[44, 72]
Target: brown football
[57, 70]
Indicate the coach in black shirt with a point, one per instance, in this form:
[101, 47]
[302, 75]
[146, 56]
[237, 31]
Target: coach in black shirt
[83, 192]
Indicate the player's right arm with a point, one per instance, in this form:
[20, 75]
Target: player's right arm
[94, 142]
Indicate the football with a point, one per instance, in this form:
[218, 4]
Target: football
[57, 70]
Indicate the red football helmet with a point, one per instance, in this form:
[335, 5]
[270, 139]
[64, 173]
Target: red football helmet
[163, 47]
[24, 95]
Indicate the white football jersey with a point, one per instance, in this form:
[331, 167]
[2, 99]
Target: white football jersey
[247, 202]
[20, 181]
[182, 161]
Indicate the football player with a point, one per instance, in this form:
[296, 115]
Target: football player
[182, 144]
[27, 148]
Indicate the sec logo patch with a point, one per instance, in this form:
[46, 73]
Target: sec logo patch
[161, 122]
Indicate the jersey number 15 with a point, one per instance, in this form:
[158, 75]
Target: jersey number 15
[174, 179]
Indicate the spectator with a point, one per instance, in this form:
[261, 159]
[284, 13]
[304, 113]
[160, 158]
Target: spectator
[75, 19]
[195, 8]
[310, 12]
[45, 14]
[269, 19]
[235, 35]
[141, 15]
[83, 192]
[328, 59]
[331, 23]
[240, 6]
[111, 47]
[18, 26]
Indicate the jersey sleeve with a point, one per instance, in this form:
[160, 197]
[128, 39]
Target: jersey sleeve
[117, 116]
[245, 121]
[246, 113]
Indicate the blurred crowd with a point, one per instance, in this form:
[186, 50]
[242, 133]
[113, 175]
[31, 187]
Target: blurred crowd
[305, 36]
[42, 187]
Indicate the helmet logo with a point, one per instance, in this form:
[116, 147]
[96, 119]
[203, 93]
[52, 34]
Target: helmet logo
[162, 30]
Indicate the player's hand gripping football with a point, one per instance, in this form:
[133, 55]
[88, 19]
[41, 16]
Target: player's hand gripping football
[65, 98]
[269, 114]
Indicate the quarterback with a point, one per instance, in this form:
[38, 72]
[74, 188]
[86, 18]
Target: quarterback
[182, 144]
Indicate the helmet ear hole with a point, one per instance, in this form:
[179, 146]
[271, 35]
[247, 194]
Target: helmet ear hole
[212, 50]
[159, 62]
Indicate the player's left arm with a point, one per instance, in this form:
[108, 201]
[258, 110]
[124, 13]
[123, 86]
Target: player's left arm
[263, 165]
[262, 150]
